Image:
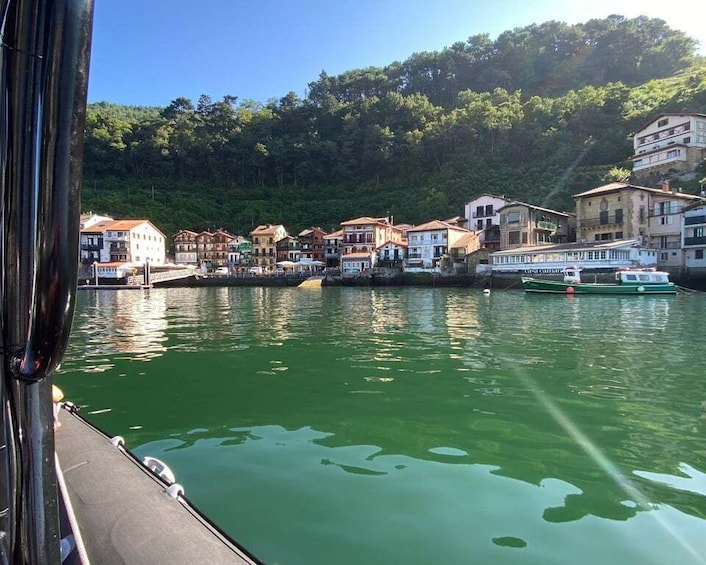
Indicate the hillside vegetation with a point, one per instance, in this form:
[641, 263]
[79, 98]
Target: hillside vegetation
[538, 114]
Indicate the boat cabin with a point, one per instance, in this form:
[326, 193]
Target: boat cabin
[571, 274]
[641, 276]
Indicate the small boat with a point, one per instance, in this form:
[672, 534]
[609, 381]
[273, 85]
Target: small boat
[627, 281]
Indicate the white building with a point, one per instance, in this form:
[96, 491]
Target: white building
[428, 243]
[670, 141]
[591, 257]
[482, 214]
[123, 241]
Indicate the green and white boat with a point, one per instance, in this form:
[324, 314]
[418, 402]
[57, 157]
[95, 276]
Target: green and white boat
[627, 281]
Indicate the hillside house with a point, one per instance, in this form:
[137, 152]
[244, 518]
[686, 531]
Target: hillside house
[673, 142]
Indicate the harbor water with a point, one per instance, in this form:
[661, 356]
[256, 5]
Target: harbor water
[412, 425]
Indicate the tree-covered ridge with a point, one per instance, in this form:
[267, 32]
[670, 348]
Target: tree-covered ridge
[545, 60]
[519, 117]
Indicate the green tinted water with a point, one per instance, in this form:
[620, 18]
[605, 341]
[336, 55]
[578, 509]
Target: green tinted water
[379, 426]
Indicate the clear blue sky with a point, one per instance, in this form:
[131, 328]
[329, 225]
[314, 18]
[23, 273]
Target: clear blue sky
[149, 52]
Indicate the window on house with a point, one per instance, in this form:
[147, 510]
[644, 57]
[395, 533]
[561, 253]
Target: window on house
[687, 140]
[662, 123]
[618, 235]
[603, 217]
[672, 153]
[489, 210]
[513, 218]
[619, 216]
[513, 237]
[524, 237]
[479, 211]
[699, 254]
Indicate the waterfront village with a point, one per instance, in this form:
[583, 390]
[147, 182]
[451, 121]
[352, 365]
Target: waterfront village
[616, 225]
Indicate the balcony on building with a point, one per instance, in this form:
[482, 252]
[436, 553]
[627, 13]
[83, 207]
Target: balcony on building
[694, 220]
[545, 225]
[694, 241]
[603, 220]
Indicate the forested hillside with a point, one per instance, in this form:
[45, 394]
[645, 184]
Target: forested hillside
[538, 114]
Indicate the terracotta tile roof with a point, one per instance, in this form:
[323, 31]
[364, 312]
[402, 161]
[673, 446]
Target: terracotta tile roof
[126, 225]
[266, 229]
[364, 220]
[436, 225]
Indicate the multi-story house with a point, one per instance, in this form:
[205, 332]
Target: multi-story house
[219, 250]
[204, 249]
[670, 142]
[92, 242]
[264, 242]
[185, 251]
[694, 238]
[239, 252]
[333, 244]
[392, 253]
[665, 225]
[288, 249]
[523, 224]
[429, 243]
[361, 238]
[311, 243]
[482, 216]
[621, 210]
[132, 241]
[463, 250]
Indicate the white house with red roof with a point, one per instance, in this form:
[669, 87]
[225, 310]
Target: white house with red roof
[123, 241]
[392, 252]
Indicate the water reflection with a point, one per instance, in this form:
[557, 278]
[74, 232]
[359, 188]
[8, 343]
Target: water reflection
[585, 409]
[401, 499]
[121, 322]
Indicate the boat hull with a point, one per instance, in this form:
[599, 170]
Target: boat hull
[541, 286]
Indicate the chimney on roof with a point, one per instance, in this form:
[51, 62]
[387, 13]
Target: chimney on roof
[665, 186]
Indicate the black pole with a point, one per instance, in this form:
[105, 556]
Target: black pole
[43, 83]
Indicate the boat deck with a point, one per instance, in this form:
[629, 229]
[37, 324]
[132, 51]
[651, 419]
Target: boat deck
[122, 508]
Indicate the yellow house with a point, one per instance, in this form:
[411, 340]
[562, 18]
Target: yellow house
[264, 244]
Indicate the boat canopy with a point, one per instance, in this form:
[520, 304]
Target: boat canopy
[641, 276]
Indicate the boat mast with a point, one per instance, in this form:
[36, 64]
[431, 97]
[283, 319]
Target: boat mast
[43, 84]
